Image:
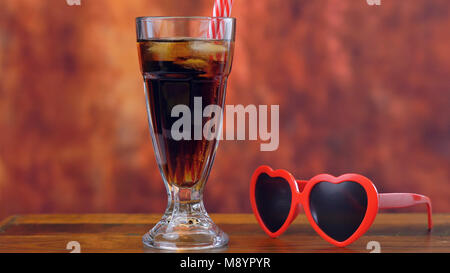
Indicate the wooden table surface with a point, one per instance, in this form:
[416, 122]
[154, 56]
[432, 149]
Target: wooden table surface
[123, 232]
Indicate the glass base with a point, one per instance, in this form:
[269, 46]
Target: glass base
[185, 232]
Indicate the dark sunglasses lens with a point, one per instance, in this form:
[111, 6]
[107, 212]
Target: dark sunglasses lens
[338, 209]
[273, 200]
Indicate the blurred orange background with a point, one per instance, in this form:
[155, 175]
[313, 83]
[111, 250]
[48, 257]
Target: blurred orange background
[361, 89]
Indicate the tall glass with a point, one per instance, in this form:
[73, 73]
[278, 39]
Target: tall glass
[185, 70]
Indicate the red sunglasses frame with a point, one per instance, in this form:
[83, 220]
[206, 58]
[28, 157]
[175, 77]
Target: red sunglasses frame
[301, 189]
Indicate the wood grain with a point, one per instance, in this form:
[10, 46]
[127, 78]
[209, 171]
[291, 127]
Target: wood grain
[122, 233]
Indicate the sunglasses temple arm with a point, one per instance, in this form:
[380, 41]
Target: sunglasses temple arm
[404, 200]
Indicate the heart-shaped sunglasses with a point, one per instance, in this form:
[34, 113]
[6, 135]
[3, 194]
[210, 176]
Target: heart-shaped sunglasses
[340, 209]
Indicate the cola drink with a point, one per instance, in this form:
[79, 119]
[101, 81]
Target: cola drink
[176, 71]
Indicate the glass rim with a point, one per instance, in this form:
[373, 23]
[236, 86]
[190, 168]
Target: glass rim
[208, 18]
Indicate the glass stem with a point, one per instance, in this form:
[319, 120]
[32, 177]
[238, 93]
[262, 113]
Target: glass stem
[188, 209]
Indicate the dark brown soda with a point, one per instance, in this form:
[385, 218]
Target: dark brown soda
[175, 72]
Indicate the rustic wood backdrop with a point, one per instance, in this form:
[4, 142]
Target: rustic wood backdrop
[361, 89]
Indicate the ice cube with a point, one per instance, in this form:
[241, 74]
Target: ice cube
[167, 51]
[197, 64]
[207, 48]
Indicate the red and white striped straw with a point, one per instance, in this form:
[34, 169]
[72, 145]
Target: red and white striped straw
[222, 8]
